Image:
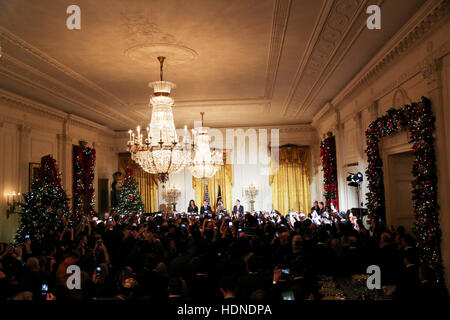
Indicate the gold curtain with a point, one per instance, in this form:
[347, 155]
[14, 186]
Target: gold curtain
[291, 180]
[224, 178]
[147, 183]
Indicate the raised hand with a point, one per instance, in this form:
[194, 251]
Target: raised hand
[50, 296]
[277, 274]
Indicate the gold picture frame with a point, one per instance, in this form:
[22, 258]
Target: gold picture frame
[33, 173]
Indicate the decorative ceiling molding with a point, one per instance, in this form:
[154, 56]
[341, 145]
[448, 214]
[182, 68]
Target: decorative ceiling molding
[356, 27]
[282, 128]
[303, 133]
[80, 121]
[279, 25]
[146, 41]
[430, 16]
[30, 105]
[140, 106]
[139, 29]
[28, 75]
[335, 29]
[323, 14]
[334, 23]
[48, 112]
[322, 112]
[17, 41]
[95, 99]
[416, 70]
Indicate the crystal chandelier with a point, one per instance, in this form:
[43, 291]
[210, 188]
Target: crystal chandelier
[205, 162]
[159, 152]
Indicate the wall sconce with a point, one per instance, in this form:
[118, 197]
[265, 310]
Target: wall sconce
[12, 201]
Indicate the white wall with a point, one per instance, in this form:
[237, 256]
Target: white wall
[250, 172]
[183, 181]
[247, 174]
[29, 131]
[253, 170]
[421, 70]
[243, 175]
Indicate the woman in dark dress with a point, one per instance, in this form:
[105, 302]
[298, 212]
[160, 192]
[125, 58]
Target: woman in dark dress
[192, 209]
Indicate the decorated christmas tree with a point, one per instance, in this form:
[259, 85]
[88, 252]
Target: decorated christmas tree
[44, 206]
[328, 155]
[129, 198]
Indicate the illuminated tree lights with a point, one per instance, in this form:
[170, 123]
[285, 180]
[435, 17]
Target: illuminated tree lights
[419, 119]
[45, 207]
[129, 198]
[328, 155]
[83, 180]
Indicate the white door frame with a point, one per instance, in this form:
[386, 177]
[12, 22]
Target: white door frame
[385, 153]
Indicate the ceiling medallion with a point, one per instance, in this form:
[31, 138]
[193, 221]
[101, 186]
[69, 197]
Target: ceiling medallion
[145, 41]
[148, 51]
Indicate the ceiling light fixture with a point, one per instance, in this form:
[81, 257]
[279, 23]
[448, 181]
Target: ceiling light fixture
[160, 151]
[205, 161]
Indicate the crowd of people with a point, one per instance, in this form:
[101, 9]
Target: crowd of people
[209, 256]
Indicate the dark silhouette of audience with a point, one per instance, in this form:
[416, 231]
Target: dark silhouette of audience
[177, 258]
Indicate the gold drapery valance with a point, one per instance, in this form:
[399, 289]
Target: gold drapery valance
[290, 180]
[224, 178]
[147, 183]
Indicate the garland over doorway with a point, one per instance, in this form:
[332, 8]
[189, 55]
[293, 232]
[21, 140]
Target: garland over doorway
[419, 119]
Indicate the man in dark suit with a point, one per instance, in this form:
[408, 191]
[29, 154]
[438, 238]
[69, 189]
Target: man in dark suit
[408, 283]
[175, 290]
[238, 208]
[323, 255]
[255, 281]
[228, 287]
[206, 208]
[430, 290]
[389, 259]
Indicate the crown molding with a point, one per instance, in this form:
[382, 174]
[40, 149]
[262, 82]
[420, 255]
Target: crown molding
[320, 22]
[40, 109]
[279, 26]
[95, 98]
[330, 34]
[14, 39]
[429, 16]
[207, 103]
[31, 105]
[351, 36]
[79, 121]
[30, 76]
[322, 112]
[282, 128]
[423, 67]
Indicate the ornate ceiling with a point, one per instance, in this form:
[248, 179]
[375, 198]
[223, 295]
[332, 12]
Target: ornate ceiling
[243, 62]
